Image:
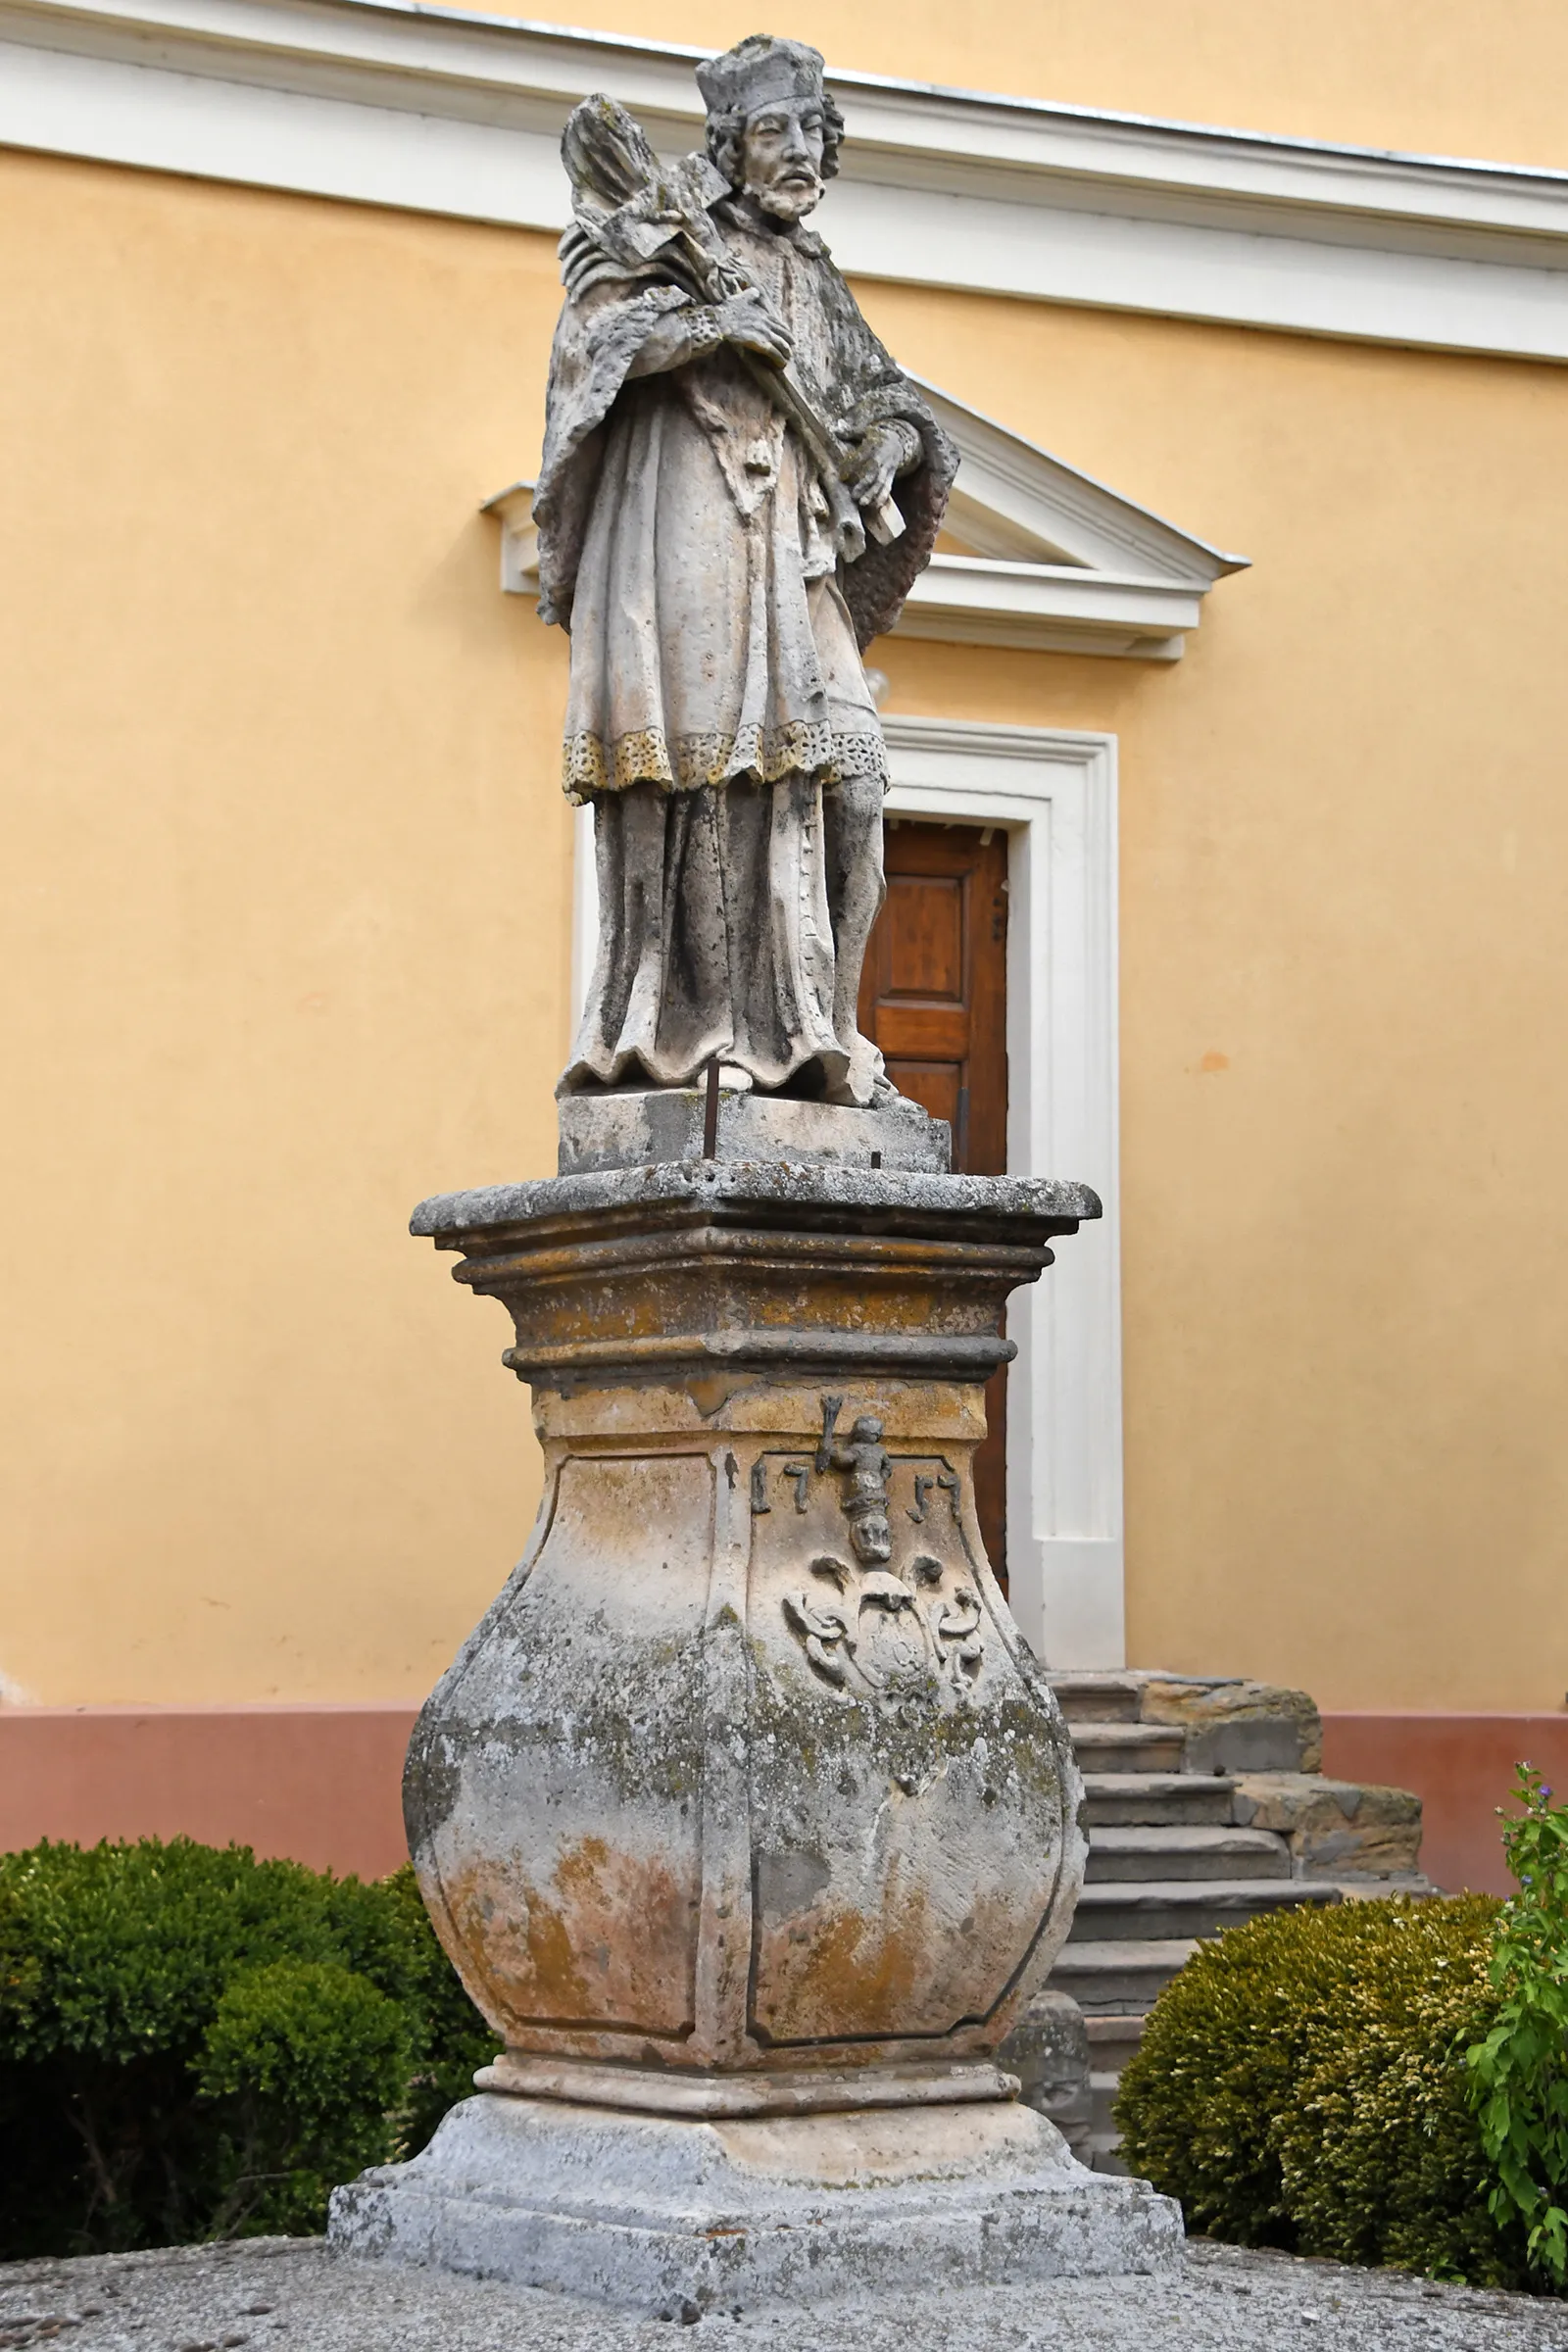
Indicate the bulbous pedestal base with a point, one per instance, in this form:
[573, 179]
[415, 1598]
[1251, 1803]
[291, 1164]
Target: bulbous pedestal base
[747, 1801]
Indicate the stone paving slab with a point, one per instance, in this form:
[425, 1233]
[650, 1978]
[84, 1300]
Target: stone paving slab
[294, 2293]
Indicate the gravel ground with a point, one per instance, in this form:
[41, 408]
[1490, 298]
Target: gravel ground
[292, 2292]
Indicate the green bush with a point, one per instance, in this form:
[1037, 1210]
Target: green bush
[452, 2039]
[1302, 2083]
[307, 2061]
[194, 2043]
[1519, 2073]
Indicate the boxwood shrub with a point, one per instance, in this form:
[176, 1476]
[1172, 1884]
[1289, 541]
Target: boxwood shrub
[1302, 2083]
[194, 2043]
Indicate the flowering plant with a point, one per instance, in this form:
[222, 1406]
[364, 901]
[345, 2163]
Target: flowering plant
[1519, 2073]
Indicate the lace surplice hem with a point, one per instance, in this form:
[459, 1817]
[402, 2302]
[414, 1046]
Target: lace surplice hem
[810, 747]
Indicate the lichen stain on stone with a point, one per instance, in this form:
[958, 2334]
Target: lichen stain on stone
[1012, 1738]
[856, 1974]
[432, 1781]
[901, 1966]
[611, 1941]
[789, 1882]
[909, 1846]
[712, 1391]
[629, 1718]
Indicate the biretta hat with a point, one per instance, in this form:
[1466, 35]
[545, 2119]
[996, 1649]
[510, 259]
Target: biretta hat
[760, 72]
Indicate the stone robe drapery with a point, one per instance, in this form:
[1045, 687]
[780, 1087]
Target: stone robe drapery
[719, 716]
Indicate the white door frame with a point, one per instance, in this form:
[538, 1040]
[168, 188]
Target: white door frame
[1053, 792]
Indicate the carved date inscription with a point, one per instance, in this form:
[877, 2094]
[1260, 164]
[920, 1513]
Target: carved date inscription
[885, 1609]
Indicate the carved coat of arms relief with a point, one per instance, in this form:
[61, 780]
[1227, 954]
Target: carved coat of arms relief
[889, 1602]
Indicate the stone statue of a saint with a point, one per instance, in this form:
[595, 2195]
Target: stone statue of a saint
[747, 1817]
[738, 488]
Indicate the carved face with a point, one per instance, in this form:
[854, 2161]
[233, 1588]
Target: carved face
[873, 1538]
[781, 159]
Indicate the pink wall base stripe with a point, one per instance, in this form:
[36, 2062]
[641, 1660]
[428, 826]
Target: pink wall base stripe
[322, 1783]
[1462, 1767]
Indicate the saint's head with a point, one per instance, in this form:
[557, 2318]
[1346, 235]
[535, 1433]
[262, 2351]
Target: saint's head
[773, 129]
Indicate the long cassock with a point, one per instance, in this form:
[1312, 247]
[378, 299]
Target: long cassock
[719, 716]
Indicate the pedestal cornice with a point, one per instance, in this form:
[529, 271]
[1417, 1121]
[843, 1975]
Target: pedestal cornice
[641, 1273]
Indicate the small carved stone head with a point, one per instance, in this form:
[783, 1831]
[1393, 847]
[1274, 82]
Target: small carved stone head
[872, 1538]
[773, 129]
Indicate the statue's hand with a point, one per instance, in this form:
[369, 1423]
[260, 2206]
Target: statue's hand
[747, 320]
[872, 470]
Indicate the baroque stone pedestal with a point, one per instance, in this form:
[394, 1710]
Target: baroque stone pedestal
[746, 1815]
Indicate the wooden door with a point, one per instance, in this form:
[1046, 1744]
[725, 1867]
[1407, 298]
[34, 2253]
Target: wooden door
[933, 997]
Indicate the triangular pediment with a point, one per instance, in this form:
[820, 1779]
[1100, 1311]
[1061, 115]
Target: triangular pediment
[1013, 499]
[1039, 556]
[1035, 555]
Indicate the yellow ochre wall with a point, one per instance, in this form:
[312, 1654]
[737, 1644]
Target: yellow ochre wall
[287, 911]
[1344, 955]
[285, 930]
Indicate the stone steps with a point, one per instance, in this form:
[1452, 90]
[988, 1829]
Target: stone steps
[1098, 1697]
[1128, 1799]
[1103, 2141]
[1118, 1978]
[1143, 1747]
[1182, 1910]
[1184, 1850]
[1112, 2041]
[1204, 1806]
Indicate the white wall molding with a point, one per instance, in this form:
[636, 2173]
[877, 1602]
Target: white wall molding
[1058, 563]
[1055, 792]
[1048, 608]
[387, 103]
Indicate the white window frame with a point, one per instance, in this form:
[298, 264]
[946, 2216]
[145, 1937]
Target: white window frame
[1054, 793]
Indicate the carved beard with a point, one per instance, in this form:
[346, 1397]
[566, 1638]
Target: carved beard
[788, 204]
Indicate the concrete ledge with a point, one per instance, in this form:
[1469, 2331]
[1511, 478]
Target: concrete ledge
[296, 2294]
[733, 1192]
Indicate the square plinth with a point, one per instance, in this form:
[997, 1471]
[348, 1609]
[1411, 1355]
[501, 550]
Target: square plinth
[673, 2219]
[664, 1125]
